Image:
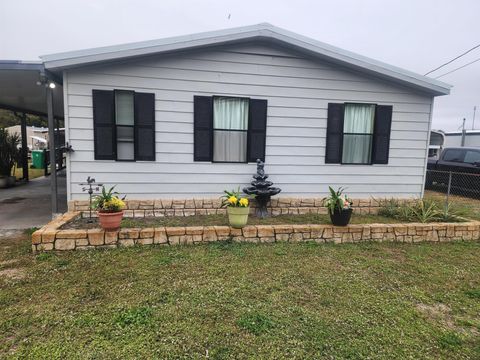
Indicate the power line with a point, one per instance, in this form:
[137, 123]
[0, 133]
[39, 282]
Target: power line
[461, 67]
[455, 58]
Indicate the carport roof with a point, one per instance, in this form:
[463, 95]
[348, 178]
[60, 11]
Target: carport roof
[22, 88]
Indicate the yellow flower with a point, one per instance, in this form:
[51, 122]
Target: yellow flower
[232, 200]
[114, 204]
[244, 202]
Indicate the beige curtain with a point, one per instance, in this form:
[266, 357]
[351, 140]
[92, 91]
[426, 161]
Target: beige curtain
[230, 124]
[358, 130]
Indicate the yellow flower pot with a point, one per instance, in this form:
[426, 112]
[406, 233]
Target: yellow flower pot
[238, 216]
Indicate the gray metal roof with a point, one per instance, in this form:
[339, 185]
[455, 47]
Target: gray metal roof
[263, 31]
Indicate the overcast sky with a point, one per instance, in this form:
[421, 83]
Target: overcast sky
[417, 35]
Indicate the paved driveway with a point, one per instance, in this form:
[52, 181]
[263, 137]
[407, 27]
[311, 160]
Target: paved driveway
[29, 205]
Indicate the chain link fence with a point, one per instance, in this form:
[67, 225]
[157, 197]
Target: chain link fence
[454, 188]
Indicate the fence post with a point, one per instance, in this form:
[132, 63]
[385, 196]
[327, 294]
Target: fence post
[448, 191]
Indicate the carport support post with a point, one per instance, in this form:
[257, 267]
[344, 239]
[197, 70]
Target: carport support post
[23, 127]
[52, 146]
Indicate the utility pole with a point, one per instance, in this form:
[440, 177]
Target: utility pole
[473, 122]
[463, 133]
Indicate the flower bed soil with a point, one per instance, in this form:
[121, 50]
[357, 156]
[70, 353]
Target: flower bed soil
[221, 220]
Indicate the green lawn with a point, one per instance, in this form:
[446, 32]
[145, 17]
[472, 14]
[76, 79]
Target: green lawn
[238, 301]
[32, 172]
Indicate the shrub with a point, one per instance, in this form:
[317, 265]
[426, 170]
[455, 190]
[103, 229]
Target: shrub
[420, 210]
[9, 152]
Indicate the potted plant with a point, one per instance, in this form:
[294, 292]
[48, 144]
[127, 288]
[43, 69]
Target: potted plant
[9, 155]
[110, 209]
[238, 208]
[339, 207]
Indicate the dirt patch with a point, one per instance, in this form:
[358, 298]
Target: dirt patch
[8, 262]
[13, 274]
[218, 219]
[442, 313]
[438, 312]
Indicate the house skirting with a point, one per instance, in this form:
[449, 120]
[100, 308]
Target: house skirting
[191, 207]
[50, 237]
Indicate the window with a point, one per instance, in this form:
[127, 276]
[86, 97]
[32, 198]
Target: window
[472, 157]
[125, 125]
[358, 133]
[230, 127]
[454, 155]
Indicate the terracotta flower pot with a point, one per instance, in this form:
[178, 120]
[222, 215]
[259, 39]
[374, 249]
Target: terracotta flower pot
[341, 217]
[238, 216]
[110, 221]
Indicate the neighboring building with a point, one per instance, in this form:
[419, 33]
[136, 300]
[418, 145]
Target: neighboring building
[437, 141]
[37, 137]
[454, 138]
[187, 117]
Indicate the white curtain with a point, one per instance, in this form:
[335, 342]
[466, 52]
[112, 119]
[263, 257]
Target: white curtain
[230, 123]
[230, 113]
[358, 130]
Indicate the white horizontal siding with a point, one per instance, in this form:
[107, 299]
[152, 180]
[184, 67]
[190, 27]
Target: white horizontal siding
[298, 91]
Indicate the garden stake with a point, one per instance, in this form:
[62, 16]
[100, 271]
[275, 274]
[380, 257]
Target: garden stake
[90, 183]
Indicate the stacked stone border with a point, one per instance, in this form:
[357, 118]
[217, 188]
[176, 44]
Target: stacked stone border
[50, 237]
[191, 207]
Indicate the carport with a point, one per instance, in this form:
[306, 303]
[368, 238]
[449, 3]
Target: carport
[27, 88]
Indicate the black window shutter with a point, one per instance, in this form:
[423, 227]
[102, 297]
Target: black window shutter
[145, 126]
[257, 130]
[381, 134]
[104, 125]
[202, 128]
[334, 147]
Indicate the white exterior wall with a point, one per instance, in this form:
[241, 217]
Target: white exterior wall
[298, 91]
[471, 140]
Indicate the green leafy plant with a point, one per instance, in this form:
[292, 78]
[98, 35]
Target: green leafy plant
[234, 198]
[337, 200]
[388, 207]
[423, 211]
[9, 152]
[108, 201]
[420, 210]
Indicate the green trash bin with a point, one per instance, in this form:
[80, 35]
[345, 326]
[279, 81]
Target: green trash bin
[38, 159]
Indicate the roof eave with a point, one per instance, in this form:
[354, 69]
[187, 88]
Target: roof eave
[58, 62]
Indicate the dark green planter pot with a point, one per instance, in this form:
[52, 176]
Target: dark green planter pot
[341, 217]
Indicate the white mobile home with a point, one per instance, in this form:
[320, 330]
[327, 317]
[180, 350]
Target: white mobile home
[187, 117]
[454, 138]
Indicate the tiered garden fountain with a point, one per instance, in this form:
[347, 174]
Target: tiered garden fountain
[262, 189]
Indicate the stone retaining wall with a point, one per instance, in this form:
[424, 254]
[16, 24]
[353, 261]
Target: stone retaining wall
[191, 207]
[51, 238]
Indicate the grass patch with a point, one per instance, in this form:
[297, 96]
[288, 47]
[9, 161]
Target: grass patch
[450, 340]
[230, 300]
[474, 293]
[134, 316]
[255, 323]
[32, 172]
